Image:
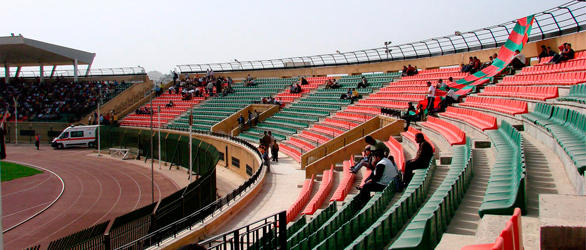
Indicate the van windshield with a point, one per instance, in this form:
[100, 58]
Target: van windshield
[64, 135]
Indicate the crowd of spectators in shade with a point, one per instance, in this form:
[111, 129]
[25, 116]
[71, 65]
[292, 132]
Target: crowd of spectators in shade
[566, 53]
[201, 85]
[56, 99]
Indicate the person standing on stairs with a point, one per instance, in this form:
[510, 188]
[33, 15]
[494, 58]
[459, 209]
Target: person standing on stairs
[430, 96]
[275, 151]
[421, 160]
[384, 172]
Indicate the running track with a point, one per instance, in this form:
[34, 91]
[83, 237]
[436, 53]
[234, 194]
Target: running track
[96, 190]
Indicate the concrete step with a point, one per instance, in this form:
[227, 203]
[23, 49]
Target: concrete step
[439, 174]
[466, 219]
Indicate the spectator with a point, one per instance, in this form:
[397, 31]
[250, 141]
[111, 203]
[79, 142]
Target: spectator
[384, 172]
[304, 81]
[544, 52]
[364, 162]
[170, 104]
[430, 96]
[175, 77]
[566, 53]
[250, 117]
[376, 145]
[241, 120]
[519, 60]
[266, 140]
[293, 89]
[404, 71]
[410, 115]
[421, 160]
[411, 70]
[334, 84]
[468, 67]
[275, 151]
[171, 90]
[256, 116]
[37, 141]
[441, 84]
[249, 81]
[363, 83]
[347, 95]
[298, 88]
[488, 63]
[354, 96]
[210, 88]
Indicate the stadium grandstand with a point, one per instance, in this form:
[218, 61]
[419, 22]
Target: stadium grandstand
[474, 140]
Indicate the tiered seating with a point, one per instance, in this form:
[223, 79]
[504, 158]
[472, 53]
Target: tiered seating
[384, 103]
[322, 193]
[218, 108]
[167, 114]
[475, 118]
[577, 94]
[564, 78]
[568, 128]
[511, 107]
[450, 132]
[410, 135]
[345, 184]
[378, 221]
[526, 92]
[574, 65]
[427, 227]
[507, 183]
[510, 238]
[301, 201]
[326, 130]
[396, 150]
[300, 229]
[287, 97]
[577, 56]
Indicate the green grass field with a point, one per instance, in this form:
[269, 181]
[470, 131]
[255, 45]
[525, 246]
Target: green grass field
[11, 171]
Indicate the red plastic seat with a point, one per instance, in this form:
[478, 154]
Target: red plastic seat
[453, 134]
[475, 118]
[302, 199]
[327, 130]
[294, 153]
[322, 193]
[345, 184]
[510, 238]
[507, 106]
[396, 150]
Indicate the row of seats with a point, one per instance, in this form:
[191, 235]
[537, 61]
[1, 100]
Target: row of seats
[298, 230]
[166, 113]
[475, 118]
[396, 150]
[386, 226]
[427, 227]
[404, 89]
[367, 215]
[302, 199]
[450, 132]
[541, 93]
[324, 190]
[507, 106]
[577, 94]
[574, 65]
[568, 128]
[450, 70]
[346, 183]
[507, 183]
[564, 78]
[510, 238]
[577, 56]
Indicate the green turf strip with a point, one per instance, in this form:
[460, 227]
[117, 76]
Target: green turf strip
[11, 171]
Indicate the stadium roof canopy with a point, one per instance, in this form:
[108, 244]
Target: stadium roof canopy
[18, 51]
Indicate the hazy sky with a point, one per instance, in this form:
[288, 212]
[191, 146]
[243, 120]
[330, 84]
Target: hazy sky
[161, 34]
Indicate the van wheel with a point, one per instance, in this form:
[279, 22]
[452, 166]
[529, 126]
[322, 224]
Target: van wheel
[59, 146]
[90, 145]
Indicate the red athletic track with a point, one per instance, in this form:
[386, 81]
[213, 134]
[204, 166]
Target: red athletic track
[96, 190]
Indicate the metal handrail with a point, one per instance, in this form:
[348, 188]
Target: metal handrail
[156, 237]
[567, 18]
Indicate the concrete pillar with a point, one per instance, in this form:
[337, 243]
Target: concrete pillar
[74, 70]
[17, 72]
[6, 74]
[41, 73]
[87, 72]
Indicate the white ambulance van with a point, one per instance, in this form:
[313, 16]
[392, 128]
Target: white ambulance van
[76, 136]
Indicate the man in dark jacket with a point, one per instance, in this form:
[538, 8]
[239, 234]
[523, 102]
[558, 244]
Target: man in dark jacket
[421, 160]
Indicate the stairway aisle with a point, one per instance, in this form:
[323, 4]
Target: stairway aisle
[466, 219]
